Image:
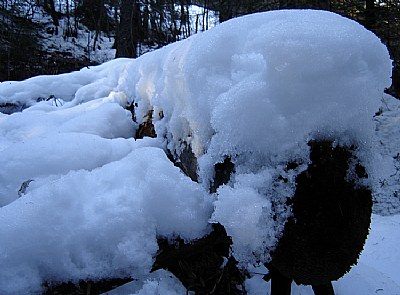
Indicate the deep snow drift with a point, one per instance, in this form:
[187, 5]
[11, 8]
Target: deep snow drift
[82, 199]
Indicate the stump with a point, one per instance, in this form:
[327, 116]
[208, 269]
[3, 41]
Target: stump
[330, 222]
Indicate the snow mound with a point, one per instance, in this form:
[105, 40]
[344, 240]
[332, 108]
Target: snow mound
[98, 224]
[81, 199]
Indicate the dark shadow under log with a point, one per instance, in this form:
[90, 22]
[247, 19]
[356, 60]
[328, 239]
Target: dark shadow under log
[84, 287]
[9, 108]
[330, 222]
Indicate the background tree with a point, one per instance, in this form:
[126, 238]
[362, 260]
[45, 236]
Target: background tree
[50, 8]
[128, 29]
[18, 42]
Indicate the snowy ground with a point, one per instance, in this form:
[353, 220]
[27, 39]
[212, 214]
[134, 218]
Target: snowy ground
[377, 270]
[86, 46]
[376, 273]
[83, 46]
[81, 198]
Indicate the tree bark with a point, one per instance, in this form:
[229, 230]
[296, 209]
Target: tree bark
[127, 38]
[50, 8]
[370, 17]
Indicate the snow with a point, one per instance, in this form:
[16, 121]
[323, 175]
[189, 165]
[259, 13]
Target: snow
[375, 273]
[81, 198]
[98, 223]
[84, 85]
[158, 282]
[247, 211]
[387, 196]
[83, 46]
[201, 19]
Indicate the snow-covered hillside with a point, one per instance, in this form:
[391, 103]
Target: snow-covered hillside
[85, 45]
[99, 49]
[81, 198]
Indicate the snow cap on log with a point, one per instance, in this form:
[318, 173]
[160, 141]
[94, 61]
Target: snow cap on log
[264, 82]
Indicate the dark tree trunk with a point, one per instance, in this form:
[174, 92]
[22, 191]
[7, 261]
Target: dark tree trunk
[370, 17]
[395, 88]
[225, 10]
[323, 4]
[316, 4]
[50, 8]
[127, 38]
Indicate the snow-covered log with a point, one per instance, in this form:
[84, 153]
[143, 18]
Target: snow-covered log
[280, 132]
[245, 109]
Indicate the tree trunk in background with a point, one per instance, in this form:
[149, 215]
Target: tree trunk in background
[395, 88]
[323, 4]
[127, 38]
[316, 4]
[50, 8]
[225, 11]
[98, 22]
[370, 17]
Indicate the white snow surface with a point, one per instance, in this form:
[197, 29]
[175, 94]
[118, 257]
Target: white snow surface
[375, 273]
[83, 46]
[81, 198]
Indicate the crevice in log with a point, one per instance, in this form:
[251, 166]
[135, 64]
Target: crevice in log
[223, 173]
[146, 129]
[131, 108]
[186, 161]
[204, 266]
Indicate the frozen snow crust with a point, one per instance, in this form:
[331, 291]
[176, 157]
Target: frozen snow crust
[255, 89]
